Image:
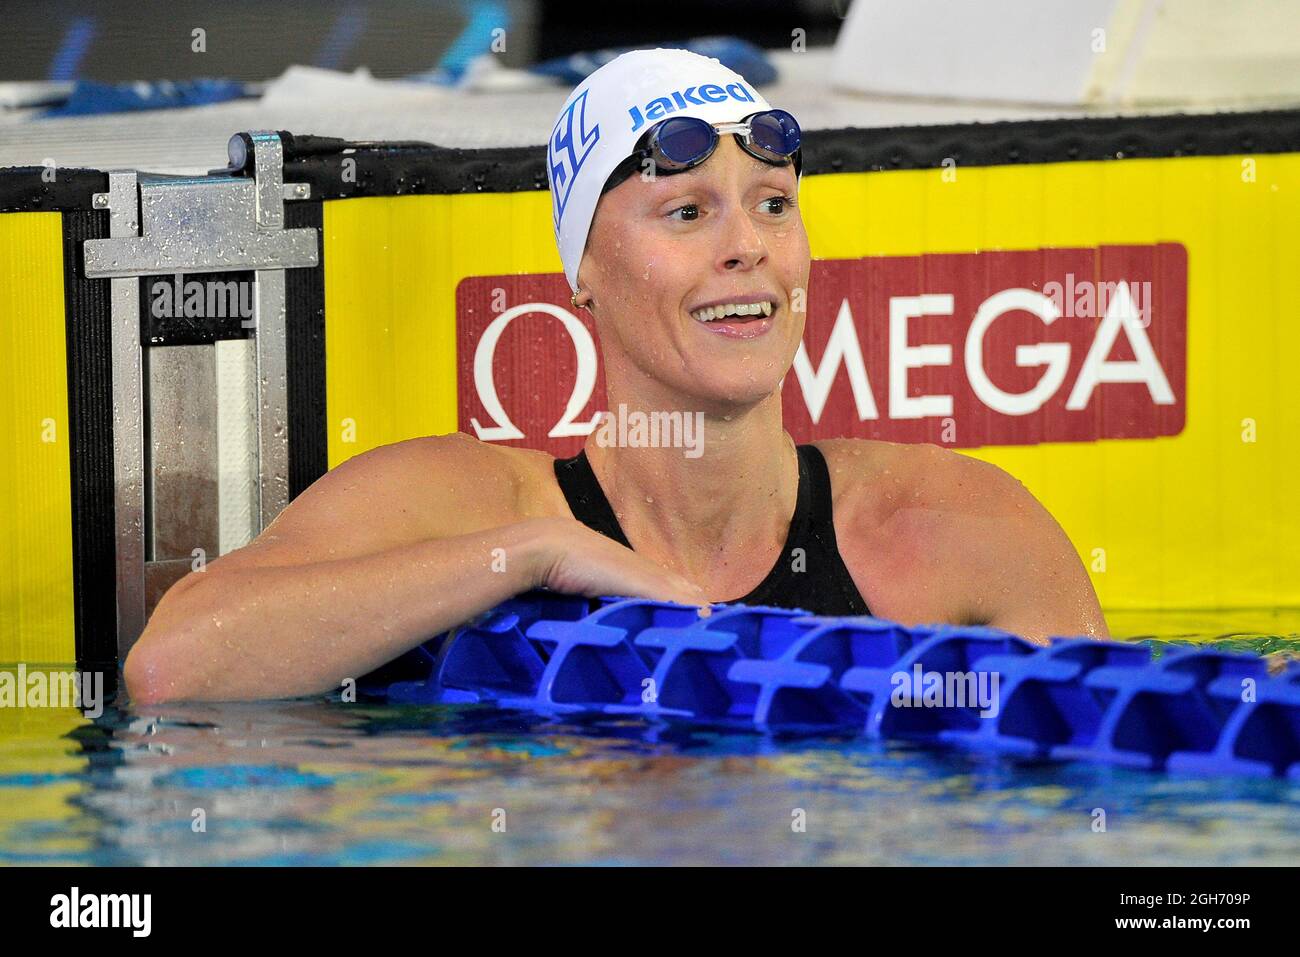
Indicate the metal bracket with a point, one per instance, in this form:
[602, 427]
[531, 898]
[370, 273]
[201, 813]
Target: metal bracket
[206, 224]
[195, 224]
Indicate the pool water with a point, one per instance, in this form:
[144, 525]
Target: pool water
[322, 781]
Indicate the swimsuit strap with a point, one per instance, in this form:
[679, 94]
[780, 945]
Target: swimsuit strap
[809, 572]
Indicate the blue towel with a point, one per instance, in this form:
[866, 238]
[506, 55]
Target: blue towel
[89, 98]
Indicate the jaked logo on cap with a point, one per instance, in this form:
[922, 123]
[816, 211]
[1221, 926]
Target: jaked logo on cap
[569, 149]
[600, 122]
[681, 99]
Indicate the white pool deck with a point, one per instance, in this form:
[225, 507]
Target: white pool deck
[306, 100]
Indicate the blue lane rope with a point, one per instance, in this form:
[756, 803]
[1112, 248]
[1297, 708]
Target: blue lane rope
[774, 669]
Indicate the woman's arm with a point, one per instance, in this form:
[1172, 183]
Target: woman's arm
[249, 631]
[352, 574]
[1019, 570]
[944, 537]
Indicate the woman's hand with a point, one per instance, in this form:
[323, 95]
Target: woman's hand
[574, 560]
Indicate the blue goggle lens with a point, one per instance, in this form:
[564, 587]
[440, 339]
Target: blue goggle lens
[775, 131]
[685, 140]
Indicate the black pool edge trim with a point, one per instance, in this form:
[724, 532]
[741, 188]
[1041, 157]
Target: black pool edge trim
[305, 359]
[89, 345]
[23, 189]
[437, 170]
[411, 170]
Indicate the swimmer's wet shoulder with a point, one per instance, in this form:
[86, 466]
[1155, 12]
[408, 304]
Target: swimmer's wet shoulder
[931, 534]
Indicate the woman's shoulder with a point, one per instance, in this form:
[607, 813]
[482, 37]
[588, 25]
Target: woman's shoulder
[496, 482]
[884, 476]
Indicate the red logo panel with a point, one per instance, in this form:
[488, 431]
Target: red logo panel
[963, 349]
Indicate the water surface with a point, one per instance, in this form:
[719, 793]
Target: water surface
[326, 782]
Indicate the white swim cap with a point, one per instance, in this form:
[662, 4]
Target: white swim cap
[608, 112]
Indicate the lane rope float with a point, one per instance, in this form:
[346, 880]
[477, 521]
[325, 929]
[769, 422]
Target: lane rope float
[774, 669]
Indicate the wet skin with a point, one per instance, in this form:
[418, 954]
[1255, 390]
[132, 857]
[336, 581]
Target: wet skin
[341, 580]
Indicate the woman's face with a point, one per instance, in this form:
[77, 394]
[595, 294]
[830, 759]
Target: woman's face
[661, 249]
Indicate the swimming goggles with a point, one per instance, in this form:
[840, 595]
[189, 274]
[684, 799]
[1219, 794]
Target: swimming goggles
[682, 142]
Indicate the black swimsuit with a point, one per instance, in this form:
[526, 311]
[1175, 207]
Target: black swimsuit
[816, 580]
